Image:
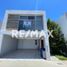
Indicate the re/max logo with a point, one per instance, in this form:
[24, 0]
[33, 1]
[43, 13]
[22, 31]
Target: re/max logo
[31, 34]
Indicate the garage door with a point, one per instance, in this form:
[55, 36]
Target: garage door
[27, 44]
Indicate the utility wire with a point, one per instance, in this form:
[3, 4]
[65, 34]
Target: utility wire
[36, 7]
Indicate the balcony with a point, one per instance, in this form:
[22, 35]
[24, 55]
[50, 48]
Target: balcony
[20, 22]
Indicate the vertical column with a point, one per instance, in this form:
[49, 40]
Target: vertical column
[46, 39]
[47, 48]
[2, 31]
[5, 21]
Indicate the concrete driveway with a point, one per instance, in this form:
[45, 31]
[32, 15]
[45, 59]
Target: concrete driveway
[31, 63]
[65, 62]
[23, 54]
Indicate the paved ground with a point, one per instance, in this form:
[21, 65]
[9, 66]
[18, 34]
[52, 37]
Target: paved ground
[53, 58]
[31, 63]
[23, 54]
[28, 61]
[65, 62]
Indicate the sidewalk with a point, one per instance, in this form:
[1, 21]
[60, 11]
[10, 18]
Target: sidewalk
[65, 62]
[30, 63]
[53, 58]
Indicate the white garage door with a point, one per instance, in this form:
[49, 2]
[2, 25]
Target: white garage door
[27, 44]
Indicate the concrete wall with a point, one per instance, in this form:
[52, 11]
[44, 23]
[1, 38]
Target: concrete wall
[8, 44]
[27, 44]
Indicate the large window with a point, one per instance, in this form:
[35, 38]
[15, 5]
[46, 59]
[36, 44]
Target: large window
[31, 23]
[31, 17]
[39, 22]
[20, 25]
[26, 25]
[23, 17]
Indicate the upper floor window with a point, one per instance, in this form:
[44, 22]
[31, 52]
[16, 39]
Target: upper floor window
[31, 17]
[27, 17]
[23, 17]
[39, 18]
[27, 24]
[13, 17]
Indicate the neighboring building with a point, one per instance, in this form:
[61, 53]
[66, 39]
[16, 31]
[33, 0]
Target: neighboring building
[63, 24]
[27, 47]
[0, 24]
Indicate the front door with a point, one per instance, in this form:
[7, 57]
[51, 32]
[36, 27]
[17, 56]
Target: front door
[42, 44]
[41, 48]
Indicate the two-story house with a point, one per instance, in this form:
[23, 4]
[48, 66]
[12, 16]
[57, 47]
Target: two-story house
[27, 47]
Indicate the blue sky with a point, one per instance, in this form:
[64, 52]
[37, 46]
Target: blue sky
[54, 8]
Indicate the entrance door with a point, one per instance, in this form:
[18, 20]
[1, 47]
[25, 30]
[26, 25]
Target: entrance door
[42, 44]
[41, 47]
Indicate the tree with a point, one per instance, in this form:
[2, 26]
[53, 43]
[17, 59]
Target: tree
[57, 43]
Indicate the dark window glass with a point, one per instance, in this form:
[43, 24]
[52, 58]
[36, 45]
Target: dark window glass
[31, 17]
[23, 17]
[20, 25]
[35, 42]
[39, 17]
[26, 25]
[42, 44]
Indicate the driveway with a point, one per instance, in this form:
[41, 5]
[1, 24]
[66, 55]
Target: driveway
[23, 54]
[65, 62]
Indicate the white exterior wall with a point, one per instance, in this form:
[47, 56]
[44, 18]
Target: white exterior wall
[1, 37]
[8, 44]
[46, 53]
[27, 44]
[63, 24]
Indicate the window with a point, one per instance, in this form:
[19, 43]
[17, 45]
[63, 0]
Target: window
[13, 17]
[26, 24]
[31, 17]
[39, 18]
[35, 42]
[39, 25]
[23, 17]
[20, 25]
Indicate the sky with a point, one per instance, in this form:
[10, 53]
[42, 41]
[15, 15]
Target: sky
[54, 8]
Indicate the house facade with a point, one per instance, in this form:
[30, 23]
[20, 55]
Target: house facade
[24, 20]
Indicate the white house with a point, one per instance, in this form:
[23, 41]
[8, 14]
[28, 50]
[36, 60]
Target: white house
[27, 47]
[63, 24]
[0, 24]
